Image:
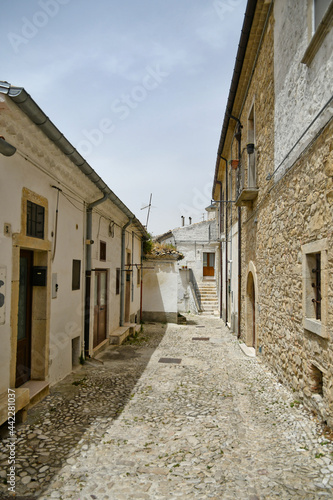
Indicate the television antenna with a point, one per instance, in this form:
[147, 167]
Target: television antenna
[149, 207]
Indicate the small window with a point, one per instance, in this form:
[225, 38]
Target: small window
[102, 251]
[117, 281]
[316, 376]
[76, 274]
[138, 281]
[35, 220]
[315, 287]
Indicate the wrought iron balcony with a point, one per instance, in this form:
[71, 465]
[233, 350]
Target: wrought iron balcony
[246, 188]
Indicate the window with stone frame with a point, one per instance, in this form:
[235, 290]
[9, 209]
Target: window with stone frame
[314, 271]
[319, 19]
[35, 220]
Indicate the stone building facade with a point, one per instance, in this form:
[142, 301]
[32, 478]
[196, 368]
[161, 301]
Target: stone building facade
[274, 178]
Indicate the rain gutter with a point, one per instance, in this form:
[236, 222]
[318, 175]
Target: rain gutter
[246, 29]
[24, 101]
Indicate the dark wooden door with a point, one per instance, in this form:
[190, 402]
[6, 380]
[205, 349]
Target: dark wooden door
[127, 297]
[253, 316]
[208, 264]
[100, 307]
[23, 355]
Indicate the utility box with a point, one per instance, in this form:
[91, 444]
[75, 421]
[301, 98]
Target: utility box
[39, 275]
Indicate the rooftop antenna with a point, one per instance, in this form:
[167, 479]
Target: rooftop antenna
[149, 207]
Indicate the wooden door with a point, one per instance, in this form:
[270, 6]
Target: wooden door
[253, 316]
[100, 307]
[127, 297]
[23, 354]
[208, 264]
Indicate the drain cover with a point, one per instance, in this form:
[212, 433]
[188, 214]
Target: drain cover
[200, 338]
[170, 360]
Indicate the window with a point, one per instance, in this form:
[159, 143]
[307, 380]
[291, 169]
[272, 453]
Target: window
[319, 10]
[117, 281]
[320, 18]
[76, 274]
[138, 281]
[35, 220]
[102, 251]
[316, 377]
[315, 287]
[252, 181]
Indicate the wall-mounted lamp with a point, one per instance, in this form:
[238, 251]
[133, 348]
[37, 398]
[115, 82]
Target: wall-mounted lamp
[6, 149]
[250, 148]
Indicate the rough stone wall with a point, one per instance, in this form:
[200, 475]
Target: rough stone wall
[298, 210]
[291, 210]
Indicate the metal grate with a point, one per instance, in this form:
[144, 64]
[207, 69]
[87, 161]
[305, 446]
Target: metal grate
[200, 338]
[170, 360]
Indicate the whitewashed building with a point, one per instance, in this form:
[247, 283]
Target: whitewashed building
[198, 271]
[70, 254]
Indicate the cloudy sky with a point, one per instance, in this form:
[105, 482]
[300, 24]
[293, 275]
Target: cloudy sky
[139, 87]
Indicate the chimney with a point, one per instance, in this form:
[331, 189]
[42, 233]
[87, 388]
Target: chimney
[190, 220]
[183, 220]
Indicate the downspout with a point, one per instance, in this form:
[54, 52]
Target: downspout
[239, 246]
[141, 282]
[221, 263]
[122, 271]
[89, 242]
[226, 238]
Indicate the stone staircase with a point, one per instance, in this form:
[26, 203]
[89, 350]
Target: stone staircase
[209, 298]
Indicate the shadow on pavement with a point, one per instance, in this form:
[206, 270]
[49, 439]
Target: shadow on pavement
[91, 397]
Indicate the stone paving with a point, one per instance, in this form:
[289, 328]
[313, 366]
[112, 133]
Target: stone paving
[213, 424]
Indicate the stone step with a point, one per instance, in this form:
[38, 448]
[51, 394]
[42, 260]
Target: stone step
[118, 336]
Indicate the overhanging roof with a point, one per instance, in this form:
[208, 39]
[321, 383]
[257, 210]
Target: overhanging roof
[24, 101]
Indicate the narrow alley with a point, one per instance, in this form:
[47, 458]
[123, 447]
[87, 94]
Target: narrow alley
[199, 419]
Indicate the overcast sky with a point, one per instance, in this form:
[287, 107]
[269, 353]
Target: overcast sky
[139, 87]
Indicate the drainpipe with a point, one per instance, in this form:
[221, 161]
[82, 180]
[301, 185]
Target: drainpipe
[89, 242]
[221, 263]
[226, 238]
[122, 271]
[239, 241]
[141, 281]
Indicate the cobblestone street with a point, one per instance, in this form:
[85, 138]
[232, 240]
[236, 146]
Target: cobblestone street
[200, 420]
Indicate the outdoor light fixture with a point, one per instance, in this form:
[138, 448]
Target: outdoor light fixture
[250, 148]
[6, 149]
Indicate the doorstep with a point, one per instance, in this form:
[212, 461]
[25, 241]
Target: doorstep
[248, 351]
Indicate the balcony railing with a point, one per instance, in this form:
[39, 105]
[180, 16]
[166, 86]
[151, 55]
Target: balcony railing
[246, 186]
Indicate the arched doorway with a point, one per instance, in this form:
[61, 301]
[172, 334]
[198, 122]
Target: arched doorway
[250, 307]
